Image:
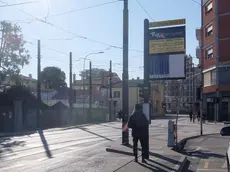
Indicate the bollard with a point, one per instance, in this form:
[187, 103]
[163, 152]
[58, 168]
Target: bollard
[171, 141]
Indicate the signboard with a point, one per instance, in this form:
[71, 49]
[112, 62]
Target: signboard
[167, 40]
[167, 53]
[167, 23]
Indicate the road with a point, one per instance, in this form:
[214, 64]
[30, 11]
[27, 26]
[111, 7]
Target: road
[77, 149]
[208, 153]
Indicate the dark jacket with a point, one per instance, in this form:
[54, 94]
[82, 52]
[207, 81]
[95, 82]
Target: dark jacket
[139, 124]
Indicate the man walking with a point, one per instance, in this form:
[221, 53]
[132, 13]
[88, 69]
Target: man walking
[139, 125]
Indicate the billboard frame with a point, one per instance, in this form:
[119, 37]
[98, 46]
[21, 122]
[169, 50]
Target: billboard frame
[147, 55]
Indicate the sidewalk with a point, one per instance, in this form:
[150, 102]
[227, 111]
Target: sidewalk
[207, 153]
[161, 158]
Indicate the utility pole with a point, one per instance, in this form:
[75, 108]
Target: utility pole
[201, 75]
[217, 59]
[110, 91]
[70, 86]
[38, 84]
[146, 75]
[125, 75]
[193, 88]
[90, 91]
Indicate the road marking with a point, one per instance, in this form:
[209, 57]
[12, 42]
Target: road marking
[224, 165]
[206, 163]
[219, 170]
[71, 151]
[12, 167]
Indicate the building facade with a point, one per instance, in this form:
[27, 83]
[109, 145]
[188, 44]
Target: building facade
[183, 94]
[214, 54]
[156, 96]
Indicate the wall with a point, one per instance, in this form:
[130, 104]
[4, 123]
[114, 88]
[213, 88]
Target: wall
[158, 96]
[51, 118]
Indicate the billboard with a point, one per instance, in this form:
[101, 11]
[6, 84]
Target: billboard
[167, 53]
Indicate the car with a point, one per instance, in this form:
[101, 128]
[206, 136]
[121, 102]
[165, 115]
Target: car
[226, 132]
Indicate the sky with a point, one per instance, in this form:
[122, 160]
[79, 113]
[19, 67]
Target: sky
[94, 30]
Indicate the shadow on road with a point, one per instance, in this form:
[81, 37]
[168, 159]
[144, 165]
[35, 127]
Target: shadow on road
[86, 130]
[203, 154]
[6, 145]
[45, 144]
[104, 125]
[151, 165]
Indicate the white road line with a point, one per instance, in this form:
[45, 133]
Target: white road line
[224, 165]
[12, 167]
[213, 169]
[206, 163]
[52, 149]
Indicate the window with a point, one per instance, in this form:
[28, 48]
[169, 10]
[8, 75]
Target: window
[208, 7]
[213, 77]
[209, 30]
[209, 53]
[116, 94]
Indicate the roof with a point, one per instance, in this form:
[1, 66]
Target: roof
[132, 83]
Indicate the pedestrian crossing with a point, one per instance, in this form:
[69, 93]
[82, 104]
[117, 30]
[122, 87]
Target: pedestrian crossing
[211, 165]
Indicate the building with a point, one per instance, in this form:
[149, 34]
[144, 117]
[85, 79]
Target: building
[187, 93]
[100, 85]
[157, 95]
[214, 55]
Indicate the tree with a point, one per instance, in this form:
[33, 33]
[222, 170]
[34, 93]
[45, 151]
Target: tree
[13, 54]
[53, 77]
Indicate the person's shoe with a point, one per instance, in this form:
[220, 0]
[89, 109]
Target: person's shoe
[136, 159]
[143, 160]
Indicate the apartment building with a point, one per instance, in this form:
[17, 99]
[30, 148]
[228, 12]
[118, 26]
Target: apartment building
[214, 55]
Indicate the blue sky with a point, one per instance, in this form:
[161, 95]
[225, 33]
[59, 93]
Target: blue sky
[103, 24]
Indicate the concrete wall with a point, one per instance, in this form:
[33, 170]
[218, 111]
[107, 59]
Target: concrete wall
[51, 118]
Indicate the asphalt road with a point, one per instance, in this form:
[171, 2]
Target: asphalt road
[208, 153]
[78, 149]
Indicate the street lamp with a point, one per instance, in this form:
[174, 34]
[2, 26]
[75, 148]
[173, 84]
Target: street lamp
[83, 79]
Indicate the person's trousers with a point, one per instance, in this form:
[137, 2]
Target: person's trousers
[144, 146]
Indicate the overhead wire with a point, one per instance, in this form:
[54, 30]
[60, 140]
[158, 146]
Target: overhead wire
[16, 4]
[85, 8]
[72, 33]
[145, 10]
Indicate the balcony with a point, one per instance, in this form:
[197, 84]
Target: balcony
[198, 53]
[198, 34]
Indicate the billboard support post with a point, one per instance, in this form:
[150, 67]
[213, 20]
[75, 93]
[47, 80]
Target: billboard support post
[146, 75]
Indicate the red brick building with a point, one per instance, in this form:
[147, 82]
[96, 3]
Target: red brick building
[214, 55]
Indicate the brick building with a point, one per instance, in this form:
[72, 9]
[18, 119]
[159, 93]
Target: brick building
[214, 54]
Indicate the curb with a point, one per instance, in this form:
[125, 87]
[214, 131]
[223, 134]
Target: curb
[119, 151]
[180, 146]
[182, 162]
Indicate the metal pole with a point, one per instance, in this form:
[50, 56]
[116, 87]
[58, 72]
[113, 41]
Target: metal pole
[125, 76]
[217, 58]
[201, 74]
[38, 84]
[90, 91]
[146, 72]
[70, 86]
[110, 91]
[83, 85]
[193, 89]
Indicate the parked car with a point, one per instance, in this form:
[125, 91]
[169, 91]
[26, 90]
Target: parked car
[226, 132]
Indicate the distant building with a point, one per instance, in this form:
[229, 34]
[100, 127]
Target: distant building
[100, 85]
[188, 92]
[157, 95]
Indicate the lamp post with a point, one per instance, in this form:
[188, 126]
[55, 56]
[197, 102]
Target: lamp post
[83, 79]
